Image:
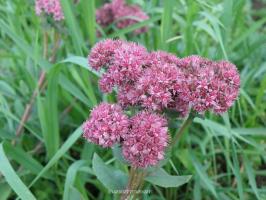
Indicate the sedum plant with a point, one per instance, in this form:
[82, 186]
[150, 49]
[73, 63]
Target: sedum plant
[151, 87]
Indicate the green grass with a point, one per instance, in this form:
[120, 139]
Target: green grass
[224, 154]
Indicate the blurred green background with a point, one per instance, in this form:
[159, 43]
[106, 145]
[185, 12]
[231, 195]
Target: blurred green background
[226, 155]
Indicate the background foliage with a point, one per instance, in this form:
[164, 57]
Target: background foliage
[226, 155]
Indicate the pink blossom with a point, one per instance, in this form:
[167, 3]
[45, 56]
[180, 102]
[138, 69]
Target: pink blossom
[129, 15]
[159, 85]
[50, 7]
[146, 142]
[228, 80]
[101, 54]
[159, 80]
[106, 125]
[211, 85]
[121, 14]
[128, 61]
[104, 15]
[161, 57]
[128, 95]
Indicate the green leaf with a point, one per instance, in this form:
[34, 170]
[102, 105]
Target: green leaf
[70, 179]
[134, 27]
[12, 178]
[166, 22]
[251, 176]
[64, 148]
[5, 191]
[161, 178]
[6, 89]
[237, 173]
[74, 90]
[27, 49]
[48, 113]
[89, 19]
[23, 158]
[111, 178]
[81, 61]
[249, 32]
[73, 27]
[202, 174]
[117, 153]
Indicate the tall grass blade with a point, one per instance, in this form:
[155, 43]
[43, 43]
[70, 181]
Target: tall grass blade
[12, 178]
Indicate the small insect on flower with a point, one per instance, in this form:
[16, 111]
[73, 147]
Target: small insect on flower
[106, 125]
[146, 141]
[50, 7]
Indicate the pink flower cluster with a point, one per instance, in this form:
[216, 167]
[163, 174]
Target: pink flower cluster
[50, 7]
[143, 137]
[159, 80]
[121, 14]
[154, 81]
[106, 125]
[210, 85]
[146, 142]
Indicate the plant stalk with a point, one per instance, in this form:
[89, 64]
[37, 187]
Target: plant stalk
[182, 129]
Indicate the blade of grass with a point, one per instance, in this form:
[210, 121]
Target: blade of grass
[251, 176]
[166, 25]
[27, 49]
[71, 176]
[48, 114]
[81, 61]
[89, 19]
[75, 91]
[23, 158]
[237, 173]
[71, 22]
[202, 174]
[12, 178]
[254, 27]
[134, 27]
[63, 149]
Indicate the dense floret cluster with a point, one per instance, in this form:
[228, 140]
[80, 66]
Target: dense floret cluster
[106, 126]
[121, 14]
[154, 81]
[159, 80]
[50, 7]
[145, 144]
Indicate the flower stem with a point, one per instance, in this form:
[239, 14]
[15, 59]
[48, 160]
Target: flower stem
[182, 129]
[130, 184]
[135, 182]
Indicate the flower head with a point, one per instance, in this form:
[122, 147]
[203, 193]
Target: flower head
[106, 125]
[124, 15]
[128, 95]
[104, 15]
[146, 142]
[50, 7]
[128, 61]
[101, 54]
[228, 80]
[162, 57]
[211, 85]
[158, 86]
[129, 15]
